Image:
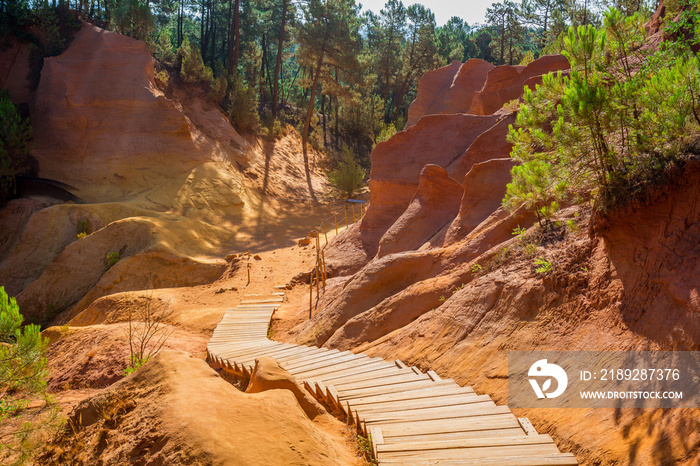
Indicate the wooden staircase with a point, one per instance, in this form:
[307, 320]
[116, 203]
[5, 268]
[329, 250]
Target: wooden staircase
[413, 418]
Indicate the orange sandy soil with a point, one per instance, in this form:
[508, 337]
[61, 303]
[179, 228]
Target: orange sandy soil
[88, 356]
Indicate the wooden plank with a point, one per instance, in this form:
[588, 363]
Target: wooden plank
[450, 412]
[373, 367]
[560, 459]
[351, 365]
[400, 364]
[465, 424]
[474, 452]
[472, 434]
[433, 375]
[371, 372]
[527, 426]
[363, 392]
[324, 361]
[314, 355]
[415, 394]
[376, 439]
[381, 381]
[466, 443]
[435, 402]
[315, 358]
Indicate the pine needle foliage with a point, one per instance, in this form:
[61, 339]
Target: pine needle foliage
[608, 128]
[349, 176]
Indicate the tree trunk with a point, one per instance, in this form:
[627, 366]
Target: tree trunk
[236, 22]
[309, 112]
[278, 61]
[323, 112]
[337, 133]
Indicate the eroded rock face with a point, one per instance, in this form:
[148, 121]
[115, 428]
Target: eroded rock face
[505, 83]
[434, 205]
[177, 410]
[449, 89]
[398, 162]
[484, 188]
[97, 107]
[269, 375]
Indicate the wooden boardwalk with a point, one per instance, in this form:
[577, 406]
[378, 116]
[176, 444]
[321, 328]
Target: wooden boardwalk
[414, 418]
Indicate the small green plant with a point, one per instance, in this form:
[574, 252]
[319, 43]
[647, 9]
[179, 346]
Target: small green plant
[476, 268]
[135, 363]
[83, 229]
[542, 265]
[385, 134]
[364, 444]
[572, 225]
[146, 332]
[442, 298]
[519, 231]
[457, 288]
[584, 269]
[270, 332]
[349, 176]
[113, 258]
[530, 249]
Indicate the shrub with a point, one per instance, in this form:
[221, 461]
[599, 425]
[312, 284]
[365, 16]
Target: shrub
[113, 258]
[349, 176]
[15, 134]
[384, 134]
[192, 67]
[10, 318]
[242, 105]
[542, 265]
[23, 376]
[147, 333]
[132, 18]
[609, 128]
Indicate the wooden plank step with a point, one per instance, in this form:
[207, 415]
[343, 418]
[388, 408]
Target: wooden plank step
[320, 356]
[418, 445]
[382, 381]
[467, 424]
[262, 301]
[274, 354]
[364, 392]
[487, 451]
[324, 361]
[365, 371]
[352, 364]
[560, 459]
[415, 395]
[472, 434]
[320, 352]
[435, 402]
[450, 412]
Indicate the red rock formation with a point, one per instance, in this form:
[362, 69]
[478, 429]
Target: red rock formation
[97, 107]
[505, 83]
[484, 188]
[397, 163]
[435, 204]
[449, 89]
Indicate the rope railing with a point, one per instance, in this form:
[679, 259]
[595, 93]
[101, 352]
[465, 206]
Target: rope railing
[319, 271]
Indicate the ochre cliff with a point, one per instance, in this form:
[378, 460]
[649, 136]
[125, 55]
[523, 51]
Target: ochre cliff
[434, 275]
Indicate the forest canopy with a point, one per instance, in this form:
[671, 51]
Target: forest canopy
[337, 73]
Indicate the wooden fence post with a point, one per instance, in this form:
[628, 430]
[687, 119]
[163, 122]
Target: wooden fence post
[347, 224]
[311, 293]
[353, 214]
[323, 225]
